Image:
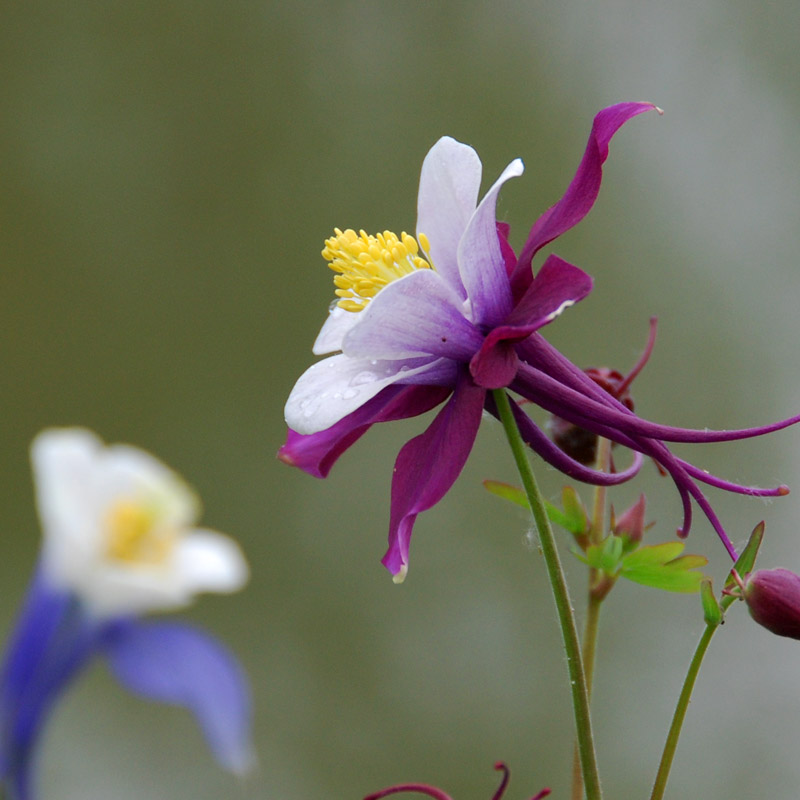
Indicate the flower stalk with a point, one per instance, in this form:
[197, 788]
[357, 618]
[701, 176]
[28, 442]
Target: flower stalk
[566, 618]
[594, 601]
[671, 745]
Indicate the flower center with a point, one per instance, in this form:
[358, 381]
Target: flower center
[365, 264]
[134, 535]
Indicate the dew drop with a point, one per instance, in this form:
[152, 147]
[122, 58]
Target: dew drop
[363, 377]
[349, 394]
[311, 408]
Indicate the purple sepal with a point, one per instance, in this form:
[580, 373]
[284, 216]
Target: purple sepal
[495, 364]
[773, 599]
[557, 285]
[316, 453]
[51, 642]
[178, 664]
[428, 465]
[582, 191]
[507, 251]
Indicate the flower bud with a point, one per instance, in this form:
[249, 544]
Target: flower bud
[581, 444]
[773, 598]
[576, 442]
[630, 524]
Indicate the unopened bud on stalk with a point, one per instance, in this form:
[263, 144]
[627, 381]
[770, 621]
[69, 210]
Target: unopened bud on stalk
[630, 524]
[773, 598]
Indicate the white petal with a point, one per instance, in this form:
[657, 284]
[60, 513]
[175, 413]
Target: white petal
[210, 562]
[65, 479]
[336, 386]
[336, 326]
[127, 472]
[117, 590]
[63, 465]
[481, 261]
[416, 315]
[202, 561]
[448, 194]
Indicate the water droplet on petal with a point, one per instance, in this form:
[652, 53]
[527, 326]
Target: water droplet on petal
[363, 377]
[349, 394]
[311, 408]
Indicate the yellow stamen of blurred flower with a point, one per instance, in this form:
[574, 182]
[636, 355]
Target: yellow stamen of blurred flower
[134, 535]
[365, 264]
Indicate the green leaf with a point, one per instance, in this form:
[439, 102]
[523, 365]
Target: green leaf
[605, 556]
[662, 567]
[578, 522]
[744, 564]
[507, 492]
[517, 496]
[712, 613]
[654, 554]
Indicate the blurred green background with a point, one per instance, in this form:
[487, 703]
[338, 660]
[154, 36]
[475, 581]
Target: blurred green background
[169, 171]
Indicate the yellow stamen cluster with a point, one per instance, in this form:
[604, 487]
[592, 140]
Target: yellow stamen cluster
[134, 535]
[365, 264]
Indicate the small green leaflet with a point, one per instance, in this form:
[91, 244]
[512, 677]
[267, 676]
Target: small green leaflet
[659, 565]
[573, 518]
[712, 613]
[663, 567]
[744, 563]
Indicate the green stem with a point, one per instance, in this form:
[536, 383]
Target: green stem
[602, 464]
[566, 618]
[592, 625]
[597, 592]
[671, 745]
[590, 631]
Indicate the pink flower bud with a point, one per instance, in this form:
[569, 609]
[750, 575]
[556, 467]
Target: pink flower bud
[630, 523]
[773, 597]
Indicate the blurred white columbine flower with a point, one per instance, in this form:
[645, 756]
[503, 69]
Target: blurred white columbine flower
[119, 540]
[119, 528]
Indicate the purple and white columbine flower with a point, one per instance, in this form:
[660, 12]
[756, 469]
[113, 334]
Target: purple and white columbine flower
[118, 540]
[414, 331]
